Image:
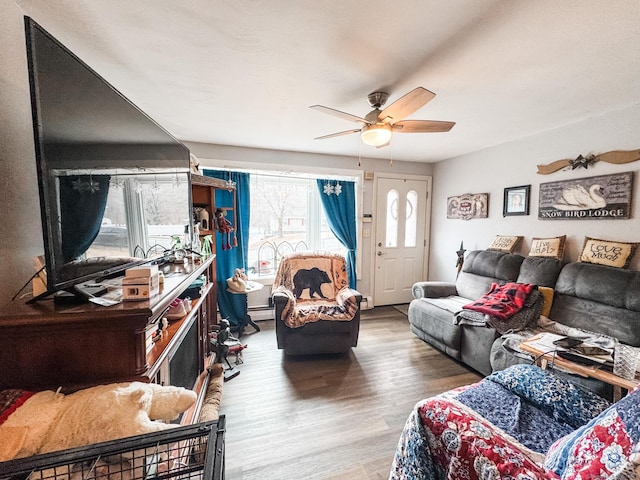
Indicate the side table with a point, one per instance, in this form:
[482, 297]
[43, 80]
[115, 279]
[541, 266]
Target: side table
[544, 357]
[251, 287]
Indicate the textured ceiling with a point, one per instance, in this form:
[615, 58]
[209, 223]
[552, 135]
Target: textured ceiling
[244, 72]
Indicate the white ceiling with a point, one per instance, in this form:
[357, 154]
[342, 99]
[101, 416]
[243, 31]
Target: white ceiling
[244, 72]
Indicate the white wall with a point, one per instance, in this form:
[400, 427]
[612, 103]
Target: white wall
[515, 163]
[20, 229]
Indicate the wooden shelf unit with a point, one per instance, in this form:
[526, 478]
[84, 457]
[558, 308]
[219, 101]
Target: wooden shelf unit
[44, 346]
[203, 190]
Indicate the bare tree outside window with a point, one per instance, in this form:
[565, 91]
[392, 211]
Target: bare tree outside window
[286, 216]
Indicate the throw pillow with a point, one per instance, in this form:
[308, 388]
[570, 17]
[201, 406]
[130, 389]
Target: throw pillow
[505, 243]
[547, 294]
[548, 247]
[607, 252]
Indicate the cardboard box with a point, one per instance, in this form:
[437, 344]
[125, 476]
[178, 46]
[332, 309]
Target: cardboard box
[144, 271]
[140, 288]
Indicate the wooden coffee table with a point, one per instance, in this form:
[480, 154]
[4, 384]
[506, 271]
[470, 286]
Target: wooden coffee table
[544, 357]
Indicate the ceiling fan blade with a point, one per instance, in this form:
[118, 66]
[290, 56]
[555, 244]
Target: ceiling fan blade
[338, 113]
[422, 126]
[338, 134]
[406, 105]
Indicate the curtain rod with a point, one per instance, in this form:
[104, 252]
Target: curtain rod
[289, 174]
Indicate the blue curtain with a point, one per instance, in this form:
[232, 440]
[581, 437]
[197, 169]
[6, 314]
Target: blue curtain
[83, 199]
[232, 306]
[339, 203]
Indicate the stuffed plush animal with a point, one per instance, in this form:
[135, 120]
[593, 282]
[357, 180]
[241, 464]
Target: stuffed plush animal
[238, 283]
[225, 228]
[223, 225]
[50, 421]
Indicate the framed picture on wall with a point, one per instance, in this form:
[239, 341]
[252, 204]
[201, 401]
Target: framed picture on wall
[516, 200]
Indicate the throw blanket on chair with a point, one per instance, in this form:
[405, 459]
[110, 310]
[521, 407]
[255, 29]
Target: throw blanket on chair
[317, 288]
[297, 313]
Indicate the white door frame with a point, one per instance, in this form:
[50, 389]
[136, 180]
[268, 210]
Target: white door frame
[427, 223]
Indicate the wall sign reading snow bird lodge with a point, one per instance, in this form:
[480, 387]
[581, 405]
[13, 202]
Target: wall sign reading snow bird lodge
[604, 196]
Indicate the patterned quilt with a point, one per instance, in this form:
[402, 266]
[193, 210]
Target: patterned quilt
[500, 427]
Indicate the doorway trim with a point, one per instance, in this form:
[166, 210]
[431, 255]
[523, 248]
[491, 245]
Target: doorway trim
[427, 223]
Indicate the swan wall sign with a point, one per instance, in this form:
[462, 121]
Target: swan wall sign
[604, 196]
[617, 157]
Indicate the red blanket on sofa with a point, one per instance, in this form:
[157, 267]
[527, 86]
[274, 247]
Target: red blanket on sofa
[502, 301]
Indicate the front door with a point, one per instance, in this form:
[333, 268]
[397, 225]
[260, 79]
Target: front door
[402, 209]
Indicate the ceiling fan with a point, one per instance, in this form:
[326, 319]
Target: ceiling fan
[378, 125]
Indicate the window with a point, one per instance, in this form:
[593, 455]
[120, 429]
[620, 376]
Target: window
[411, 220]
[286, 216]
[391, 234]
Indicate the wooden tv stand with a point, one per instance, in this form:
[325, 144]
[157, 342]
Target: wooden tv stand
[43, 346]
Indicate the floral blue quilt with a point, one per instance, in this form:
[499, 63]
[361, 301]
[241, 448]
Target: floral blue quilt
[500, 427]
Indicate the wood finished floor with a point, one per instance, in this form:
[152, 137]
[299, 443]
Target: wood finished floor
[330, 417]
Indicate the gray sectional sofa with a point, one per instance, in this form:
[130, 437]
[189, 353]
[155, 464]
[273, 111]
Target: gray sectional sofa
[596, 298]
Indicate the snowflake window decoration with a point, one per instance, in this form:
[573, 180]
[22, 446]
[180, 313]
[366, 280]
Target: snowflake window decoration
[90, 186]
[332, 189]
[117, 182]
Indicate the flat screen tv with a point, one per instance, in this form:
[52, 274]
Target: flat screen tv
[114, 186]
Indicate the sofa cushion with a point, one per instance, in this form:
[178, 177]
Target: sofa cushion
[482, 268]
[324, 327]
[451, 304]
[493, 264]
[599, 299]
[602, 447]
[541, 271]
[435, 325]
[607, 285]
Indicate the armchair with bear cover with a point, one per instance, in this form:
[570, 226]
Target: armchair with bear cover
[314, 309]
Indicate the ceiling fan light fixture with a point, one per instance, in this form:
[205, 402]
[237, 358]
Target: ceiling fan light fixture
[376, 135]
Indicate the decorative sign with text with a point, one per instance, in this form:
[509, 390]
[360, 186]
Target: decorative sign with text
[468, 206]
[604, 196]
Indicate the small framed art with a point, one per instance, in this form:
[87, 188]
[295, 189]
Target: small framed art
[516, 200]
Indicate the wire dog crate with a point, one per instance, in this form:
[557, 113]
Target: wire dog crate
[193, 452]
